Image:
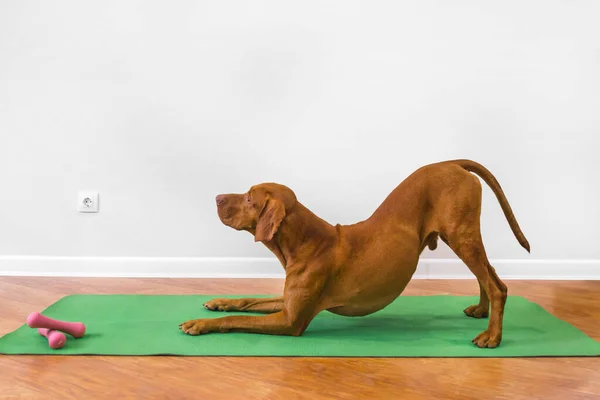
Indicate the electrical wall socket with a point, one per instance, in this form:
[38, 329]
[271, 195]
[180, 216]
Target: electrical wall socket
[88, 202]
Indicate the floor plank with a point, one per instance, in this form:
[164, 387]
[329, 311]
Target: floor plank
[78, 377]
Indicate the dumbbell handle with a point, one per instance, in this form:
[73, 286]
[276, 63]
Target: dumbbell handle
[56, 339]
[37, 320]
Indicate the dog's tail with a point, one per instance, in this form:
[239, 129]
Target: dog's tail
[488, 178]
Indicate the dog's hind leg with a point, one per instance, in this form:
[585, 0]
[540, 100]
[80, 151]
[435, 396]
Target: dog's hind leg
[468, 246]
[463, 235]
[480, 310]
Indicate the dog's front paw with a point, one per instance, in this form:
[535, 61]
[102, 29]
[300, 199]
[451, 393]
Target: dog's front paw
[220, 305]
[487, 339]
[194, 327]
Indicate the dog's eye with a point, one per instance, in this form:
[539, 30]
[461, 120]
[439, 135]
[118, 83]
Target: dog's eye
[247, 199]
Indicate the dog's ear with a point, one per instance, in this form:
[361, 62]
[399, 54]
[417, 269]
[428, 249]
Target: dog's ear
[269, 220]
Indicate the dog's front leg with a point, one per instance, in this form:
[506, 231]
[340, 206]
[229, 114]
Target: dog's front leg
[266, 306]
[278, 323]
[301, 303]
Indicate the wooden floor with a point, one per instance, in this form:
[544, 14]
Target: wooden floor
[82, 377]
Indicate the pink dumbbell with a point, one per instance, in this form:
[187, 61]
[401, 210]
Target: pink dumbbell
[37, 320]
[56, 339]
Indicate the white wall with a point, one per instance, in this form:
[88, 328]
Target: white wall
[162, 105]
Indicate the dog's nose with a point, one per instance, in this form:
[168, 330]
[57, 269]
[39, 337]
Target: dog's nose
[220, 199]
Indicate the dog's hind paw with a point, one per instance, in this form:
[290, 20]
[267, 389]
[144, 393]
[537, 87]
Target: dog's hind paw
[487, 339]
[476, 311]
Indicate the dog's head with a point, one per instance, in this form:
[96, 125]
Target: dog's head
[260, 211]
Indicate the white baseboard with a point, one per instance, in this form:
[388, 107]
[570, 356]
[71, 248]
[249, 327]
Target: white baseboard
[192, 267]
[514, 269]
[143, 267]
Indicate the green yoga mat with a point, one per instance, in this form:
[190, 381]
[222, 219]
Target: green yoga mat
[412, 326]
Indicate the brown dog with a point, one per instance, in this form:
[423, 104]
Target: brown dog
[358, 269]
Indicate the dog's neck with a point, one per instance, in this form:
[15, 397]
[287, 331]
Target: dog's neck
[301, 233]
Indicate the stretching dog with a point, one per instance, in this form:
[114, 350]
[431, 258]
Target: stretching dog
[358, 269]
